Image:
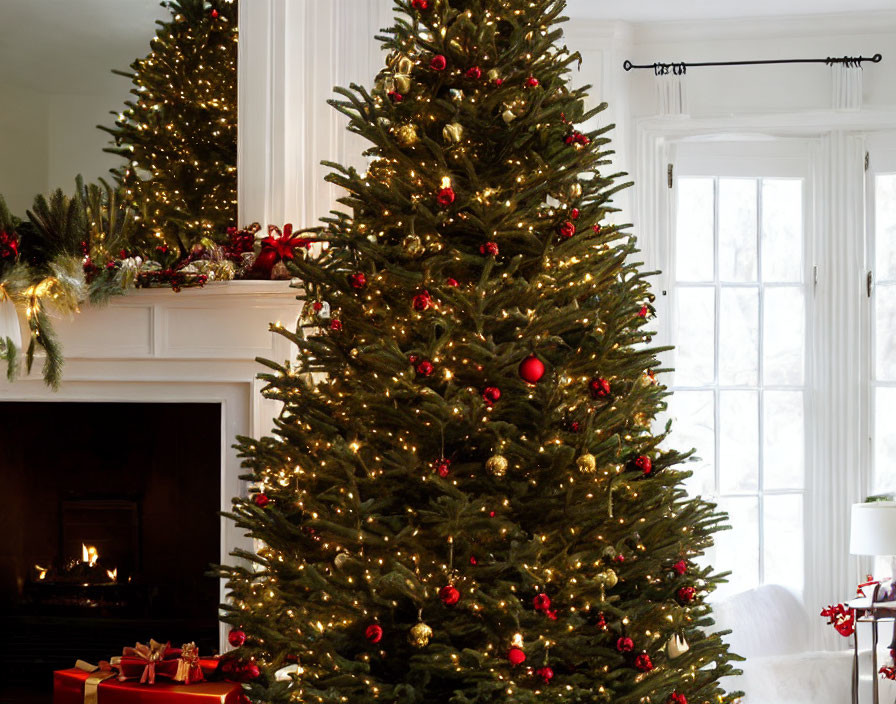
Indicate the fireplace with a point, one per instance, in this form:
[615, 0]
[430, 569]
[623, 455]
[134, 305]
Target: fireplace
[109, 523]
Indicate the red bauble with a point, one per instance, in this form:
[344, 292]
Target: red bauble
[532, 81]
[625, 645]
[422, 301]
[680, 567]
[541, 602]
[567, 230]
[644, 663]
[443, 467]
[531, 369]
[395, 96]
[261, 500]
[374, 633]
[449, 595]
[491, 395]
[420, 4]
[9, 245]
[489, 248]
[545, 674]
[451, 282]
[318, 306]
[438, 63]
[643, 312]
[473, 560]
[574, 213]
[686, 594]
[516, 656]
[644, 463]
[336, 325]
[358, 280]
[619, 558]
[425, 368]
[599, 387]
[214, 14]
[596, 228]
[474, 72]
[499, 82]
[236, 637]
[445, 197]
[676, 698]
[251, 672]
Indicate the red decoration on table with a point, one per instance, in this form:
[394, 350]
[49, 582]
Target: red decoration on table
[425, 368]
[516, 656]
[374, 633]
[261, 500]
[545, 674]
[422, 301]
[888, 672]
[686, 594]
[491, 395]
[445, 197]
[643, 463]
[474, 72]
[489, 248]
[599, 387]
[567, 230]
[869, 582]
[236, 637]
[449, 595]
[842, 618]
[625, 645]
[358, 280]
[644, 663]
[531, 369]
[277, 249]
[438, 63]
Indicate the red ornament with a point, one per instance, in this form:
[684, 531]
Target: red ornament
[596, 228]
[449, 595]
[474, 72]
[532, 81]
[516, 656]
[489, 248]
[545, 674]
[420, 4]
[251, 672]
[374, 633]
[499, 82]
[358, 280]
[413, 358]
[473, 560]
[575, 426]
[425, 368]
[619, 558]
[451, 282]
[9, 245]
[541, 602]
[491, 395]
[842, 618]
[574, 213]
[438, 63]
[261, 500]
[644, 663]
[599, 387]
[443, 467]
[686, 595]
[567, 230]
[601, 621]
[445, 197]
[680, 567]
[531, 369]
[336, 325]
[643, 312]
[644, 463]
[395, 96]
[625, 645]
[422, 301]
[214, 14]
[277, 249]
[676, 698]
[236, 637]
[318, 306]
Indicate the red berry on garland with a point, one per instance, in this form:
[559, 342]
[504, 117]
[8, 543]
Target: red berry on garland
[474, 72]
[451, 282]
[596, 228]
[532, 81]
[425, 368]
[491, 395]
[438, 63]
[374, 633]
[449, 595]
[236, 637]
[443, 467]
[489, 248]
[676, 698]
[445, 197]
[541, 602]
[686, 594]
[395, 96]
[516, 656]
[644, 663]
[420, 4]
[680, 567]
[644, 463]
[601, 621]
[551, 614]
[358, 280]
[336, 325]
[574, 213]
[625, 645]
[413, 358]
[567, 230]
[422, 301]
[499, 82]
[261, 500]
[599, 387]
[619, 558]
[531, 369]
[545, 674]
[583, 139]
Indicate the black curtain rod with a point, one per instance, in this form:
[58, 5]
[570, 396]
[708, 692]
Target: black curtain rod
[681, 68]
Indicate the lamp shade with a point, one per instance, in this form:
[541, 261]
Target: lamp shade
[872, 529]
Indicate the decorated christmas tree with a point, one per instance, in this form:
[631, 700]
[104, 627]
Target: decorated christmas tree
[463, 499]
[178, 134]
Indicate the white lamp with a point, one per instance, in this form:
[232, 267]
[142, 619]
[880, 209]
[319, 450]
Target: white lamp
[872, 529]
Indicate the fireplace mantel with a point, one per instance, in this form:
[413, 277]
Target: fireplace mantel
[197, 345]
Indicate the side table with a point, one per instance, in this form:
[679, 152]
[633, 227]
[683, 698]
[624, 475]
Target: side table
[869, 611]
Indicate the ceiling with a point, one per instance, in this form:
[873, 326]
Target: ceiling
[663, 10]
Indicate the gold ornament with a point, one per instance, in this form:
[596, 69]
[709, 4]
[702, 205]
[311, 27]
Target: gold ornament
[401, 83]
[342, 557]
[493, 75]
[587, 463]
[608, 579]
[412, 245]
[453, 132]
[402, 77]
[419, 635]
[497, 465]
[508, 116]
[677, 646]
[575, 189]
[456, 45]
[642, 420]
[407, 135]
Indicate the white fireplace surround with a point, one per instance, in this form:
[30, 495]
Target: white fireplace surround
[195, 346]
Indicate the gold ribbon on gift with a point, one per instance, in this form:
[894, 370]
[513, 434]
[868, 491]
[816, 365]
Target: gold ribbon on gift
[98, 673]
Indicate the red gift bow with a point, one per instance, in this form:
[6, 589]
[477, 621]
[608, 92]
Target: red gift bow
[275, 249]
[147, 661]
[842, 618]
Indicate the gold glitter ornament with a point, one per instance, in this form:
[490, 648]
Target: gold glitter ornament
[608, 578]
[412, 245]
[497, 465]
[575, 189]
[453, 132]
[407, 135]
[419, 635]
[586, 463]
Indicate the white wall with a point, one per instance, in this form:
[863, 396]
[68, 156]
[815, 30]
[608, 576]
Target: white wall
[23, 147]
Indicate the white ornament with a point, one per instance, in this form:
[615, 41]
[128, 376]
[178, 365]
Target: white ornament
[677, 646]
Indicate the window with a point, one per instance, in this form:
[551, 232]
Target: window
[738, 302]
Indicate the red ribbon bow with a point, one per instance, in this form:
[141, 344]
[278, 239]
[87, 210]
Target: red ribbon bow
[147, 661]
[842, 618]
[276, 249]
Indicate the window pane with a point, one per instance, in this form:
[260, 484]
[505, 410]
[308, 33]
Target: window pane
[885, 226]
[884, 440]
[783, 531]
[783, 336]
[737, 550]
[695, 338]
[693, 423]
[737, 229]
[739, 336]
[782, 230]
[738, 441]
[783, 443]
[694, 229]
[885, 332]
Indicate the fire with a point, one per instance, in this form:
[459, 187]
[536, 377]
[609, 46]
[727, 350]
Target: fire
[89, 555]
[41, 571]
[113, 574]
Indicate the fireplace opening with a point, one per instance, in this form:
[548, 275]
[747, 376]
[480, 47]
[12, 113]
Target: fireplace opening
[108, 526]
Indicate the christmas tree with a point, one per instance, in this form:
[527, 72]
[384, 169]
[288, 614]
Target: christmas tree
[178, 134]
[463, 500]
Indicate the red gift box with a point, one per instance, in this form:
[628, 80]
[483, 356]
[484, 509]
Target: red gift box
[78, 686]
